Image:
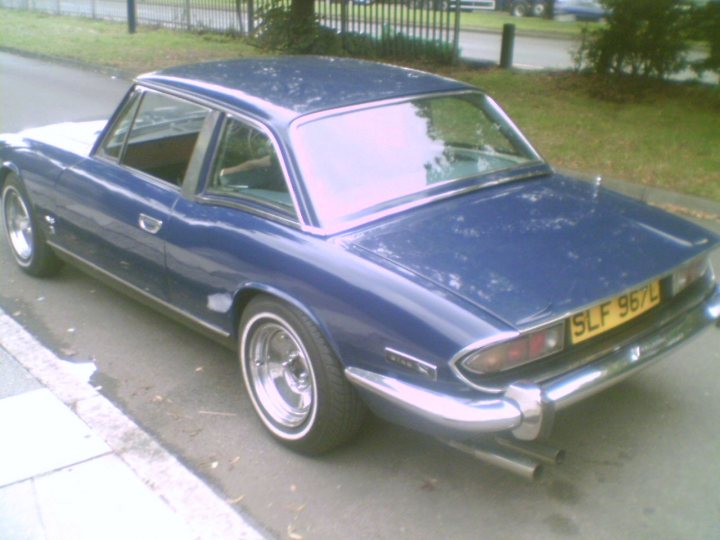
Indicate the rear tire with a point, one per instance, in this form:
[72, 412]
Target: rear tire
[295, 382]
[25, 237]
[539, 9]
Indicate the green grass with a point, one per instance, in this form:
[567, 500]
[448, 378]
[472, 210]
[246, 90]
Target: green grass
[109, 44]
[481, 20]
[668, 137]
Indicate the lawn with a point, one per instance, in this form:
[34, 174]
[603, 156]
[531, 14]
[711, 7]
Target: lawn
[667, 136]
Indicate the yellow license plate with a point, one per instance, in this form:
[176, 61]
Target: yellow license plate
[613, 313]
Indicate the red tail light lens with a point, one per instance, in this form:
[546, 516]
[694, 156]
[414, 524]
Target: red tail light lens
[519, 351]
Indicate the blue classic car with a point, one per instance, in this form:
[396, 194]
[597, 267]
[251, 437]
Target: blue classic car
[367, 237]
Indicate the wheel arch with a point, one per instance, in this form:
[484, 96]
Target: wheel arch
[6, 169]
[252, 290]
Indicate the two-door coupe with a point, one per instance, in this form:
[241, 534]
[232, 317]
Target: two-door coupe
[365, 235]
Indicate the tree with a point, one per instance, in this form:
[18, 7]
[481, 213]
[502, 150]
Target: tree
[706, 27]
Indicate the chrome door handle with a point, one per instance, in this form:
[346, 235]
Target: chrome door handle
[149, 224]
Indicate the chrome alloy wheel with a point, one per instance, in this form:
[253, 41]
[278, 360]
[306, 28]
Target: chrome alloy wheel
[279, 373]
[18, 224]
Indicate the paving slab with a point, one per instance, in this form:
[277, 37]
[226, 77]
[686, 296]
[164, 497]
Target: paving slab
[14, 379]
[40, 435]
[103, 499]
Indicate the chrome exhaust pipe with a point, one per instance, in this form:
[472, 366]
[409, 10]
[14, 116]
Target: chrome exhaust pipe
[534, 450]
[505, 458]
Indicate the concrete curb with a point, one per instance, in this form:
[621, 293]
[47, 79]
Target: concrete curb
[205, 513]
[105, 70]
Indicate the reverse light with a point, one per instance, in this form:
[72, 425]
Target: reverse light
[519, 351]
[688, 273]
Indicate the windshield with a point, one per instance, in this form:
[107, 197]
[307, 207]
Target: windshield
[365, 160]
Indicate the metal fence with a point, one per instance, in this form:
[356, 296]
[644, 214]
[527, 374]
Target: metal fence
[400, 26]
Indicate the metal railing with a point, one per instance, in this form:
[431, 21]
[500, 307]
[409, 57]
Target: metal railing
[399, 27]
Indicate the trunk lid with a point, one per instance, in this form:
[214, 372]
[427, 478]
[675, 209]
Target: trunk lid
[535, 250]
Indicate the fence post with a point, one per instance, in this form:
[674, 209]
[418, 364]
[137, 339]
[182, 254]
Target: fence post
[508, 44]
[188, 18]
[343, 20]
[131, 16]
[251, 17]
[456, 30]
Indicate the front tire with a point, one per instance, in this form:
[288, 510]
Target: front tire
[519, 9]
[22, 230]
[295, 382]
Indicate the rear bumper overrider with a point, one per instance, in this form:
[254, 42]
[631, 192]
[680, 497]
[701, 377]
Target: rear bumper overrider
[527, 408]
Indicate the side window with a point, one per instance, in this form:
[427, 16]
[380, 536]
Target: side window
[113, 144]
[247, 166]
[161, 139]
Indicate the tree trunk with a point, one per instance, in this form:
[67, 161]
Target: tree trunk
[302, 11]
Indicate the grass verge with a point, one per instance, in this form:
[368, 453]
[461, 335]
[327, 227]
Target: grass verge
[109, 44]
[665, 135]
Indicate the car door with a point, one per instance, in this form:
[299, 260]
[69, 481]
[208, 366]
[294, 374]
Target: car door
[241, 227]
[113, 209]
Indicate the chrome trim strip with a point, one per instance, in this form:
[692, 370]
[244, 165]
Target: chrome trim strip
[519, 408]
[245, 205]
[154, 299]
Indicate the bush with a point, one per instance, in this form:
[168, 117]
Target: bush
[642, 37]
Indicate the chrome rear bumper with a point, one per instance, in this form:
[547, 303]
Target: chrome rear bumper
[528, 408]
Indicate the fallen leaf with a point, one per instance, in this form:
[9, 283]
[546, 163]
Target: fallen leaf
[429, 484]
[293, 535]
[199, 369]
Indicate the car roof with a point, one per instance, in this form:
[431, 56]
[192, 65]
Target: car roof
[287, 87]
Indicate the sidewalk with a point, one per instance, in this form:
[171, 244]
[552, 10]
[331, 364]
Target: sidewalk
[74, 467]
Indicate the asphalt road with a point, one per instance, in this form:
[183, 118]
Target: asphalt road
[643, 458]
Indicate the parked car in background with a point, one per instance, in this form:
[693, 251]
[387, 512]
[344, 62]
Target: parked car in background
[527, 8]
[580, 10]
[365, 236]
[472, 5]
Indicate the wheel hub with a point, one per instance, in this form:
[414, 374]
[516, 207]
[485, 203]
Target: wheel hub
[280, 374]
